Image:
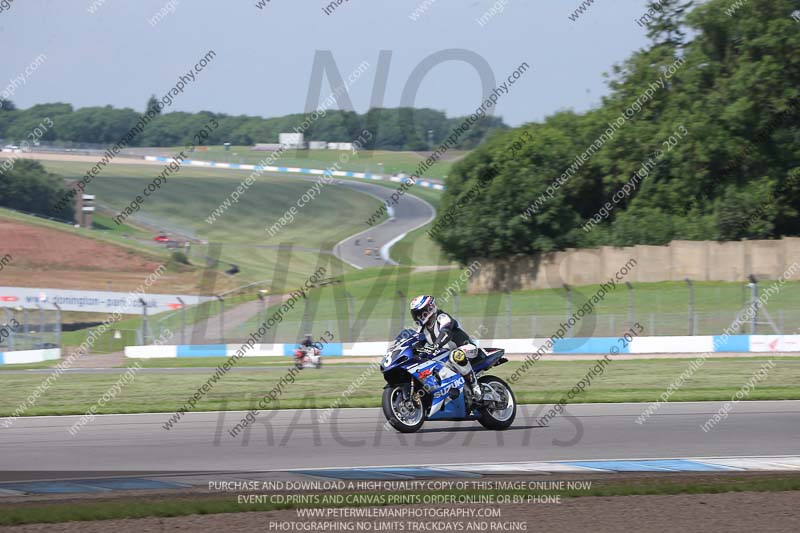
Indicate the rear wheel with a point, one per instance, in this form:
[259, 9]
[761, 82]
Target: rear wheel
[404, 413]
[501, 408]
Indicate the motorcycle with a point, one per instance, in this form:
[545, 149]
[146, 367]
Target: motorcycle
[307, 357]
[421, 388]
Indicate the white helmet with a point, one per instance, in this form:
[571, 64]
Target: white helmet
[423, 309]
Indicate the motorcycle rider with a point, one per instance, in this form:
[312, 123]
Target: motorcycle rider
[306, 345]
[307, 341]
[441, 330]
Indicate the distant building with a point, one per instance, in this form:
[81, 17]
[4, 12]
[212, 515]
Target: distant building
[84, 208]
[317, 145]
[291, 140]
[340, 146]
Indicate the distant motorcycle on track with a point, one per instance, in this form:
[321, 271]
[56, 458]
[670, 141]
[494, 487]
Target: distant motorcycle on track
[307, 357]
[420, 388]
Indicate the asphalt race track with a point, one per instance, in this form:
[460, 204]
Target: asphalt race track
[411, 212]
[281, 440]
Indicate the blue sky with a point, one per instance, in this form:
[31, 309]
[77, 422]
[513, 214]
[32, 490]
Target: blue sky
[265, 56]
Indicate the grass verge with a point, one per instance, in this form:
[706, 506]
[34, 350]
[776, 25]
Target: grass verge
[622, 381]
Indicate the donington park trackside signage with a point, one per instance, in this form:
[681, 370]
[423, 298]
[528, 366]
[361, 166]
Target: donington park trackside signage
[94, 301]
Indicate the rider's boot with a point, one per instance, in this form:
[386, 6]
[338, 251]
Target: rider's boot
[462, 365]
[477, 391]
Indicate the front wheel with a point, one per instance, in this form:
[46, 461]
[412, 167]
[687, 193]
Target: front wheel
[501, 408]
[403, 412]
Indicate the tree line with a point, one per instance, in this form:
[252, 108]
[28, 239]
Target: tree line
[698, 139]
[26, 186]
[393, 129]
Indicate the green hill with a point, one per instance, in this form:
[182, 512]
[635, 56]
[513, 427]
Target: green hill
[190, 197]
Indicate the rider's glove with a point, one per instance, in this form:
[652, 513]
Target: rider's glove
[427, 350]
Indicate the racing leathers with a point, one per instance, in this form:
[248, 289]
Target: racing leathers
[443, 331]
[305, 347]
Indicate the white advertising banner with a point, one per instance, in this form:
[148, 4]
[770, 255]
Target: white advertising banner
[775, 343]
[94, 301]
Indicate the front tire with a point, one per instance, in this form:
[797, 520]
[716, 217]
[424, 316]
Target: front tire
[493, 418]
[403, 414]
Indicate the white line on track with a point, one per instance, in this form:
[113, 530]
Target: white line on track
[441, 465]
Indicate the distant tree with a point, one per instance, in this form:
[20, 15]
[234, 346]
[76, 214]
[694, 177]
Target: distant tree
[106, 124]
[7, 105]
[29, 187]
[746, 213]
[152, 103]
[668, 20]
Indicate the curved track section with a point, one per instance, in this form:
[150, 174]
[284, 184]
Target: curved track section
[410, 212]
[293, 439]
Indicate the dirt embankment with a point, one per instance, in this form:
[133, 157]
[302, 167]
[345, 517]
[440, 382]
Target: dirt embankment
[45, 257]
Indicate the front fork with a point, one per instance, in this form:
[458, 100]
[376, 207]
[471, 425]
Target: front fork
[414, 397]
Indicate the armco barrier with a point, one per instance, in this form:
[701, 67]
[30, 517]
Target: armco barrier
[568, 346]
[297, 170]
[29, 356]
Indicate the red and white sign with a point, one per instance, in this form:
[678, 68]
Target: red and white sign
[775, 343]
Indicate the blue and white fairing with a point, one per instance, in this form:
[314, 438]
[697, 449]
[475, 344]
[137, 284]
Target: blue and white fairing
[438, 380]
[436, 377]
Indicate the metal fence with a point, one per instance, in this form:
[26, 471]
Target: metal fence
[29, 329]
[709, 311]
[539, 326]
